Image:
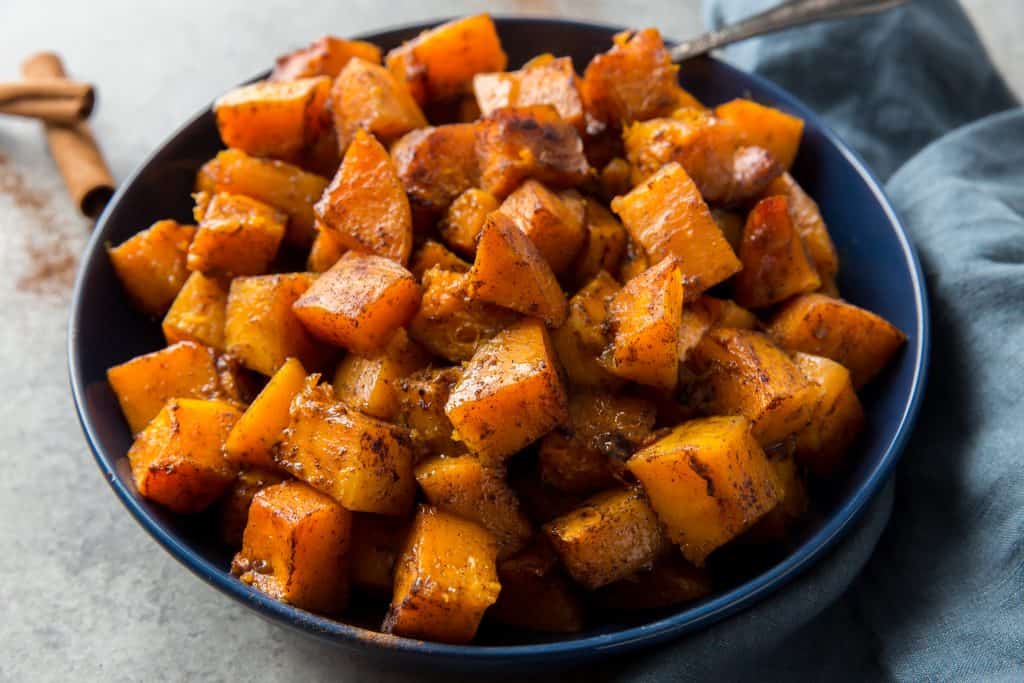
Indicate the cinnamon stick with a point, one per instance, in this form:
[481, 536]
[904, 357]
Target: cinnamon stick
[55, 100]
[73, 147]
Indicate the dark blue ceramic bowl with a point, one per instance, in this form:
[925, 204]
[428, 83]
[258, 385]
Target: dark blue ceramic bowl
[880, 271]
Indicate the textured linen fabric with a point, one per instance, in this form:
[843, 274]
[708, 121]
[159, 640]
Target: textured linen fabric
[941, 593]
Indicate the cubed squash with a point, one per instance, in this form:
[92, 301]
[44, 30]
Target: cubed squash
[604, 245]
[461, 226]
[151, 264]
[810, 225]
[775, 264]
[783, 519]
[237, 235]
[365, 207]
[296, 548]
[542, 81]
[440, 63]
[821, 325]
[145, 383]
[369, 383]
[262, 330]
[610, 536]
[643, 324]
[696, 320]
[377, 541]
[465, 487]
[198, 312]
[252, 440]
[445, 579]
[510, 271]
[178, 459]
[359, 303]
[326, 56]
[667, 216]
[432, 254]
[436, 165]
[836, 418]
[421, 400]
[535, 594]
[325, 252]
[580, 340]
[234, 506]
[516, 143]
[554, 223]
[727, 313]
[273, 119]
[708, 481]
[616, 178]
[361, 462]
[671, 581]
[766, 127]
[366, 96]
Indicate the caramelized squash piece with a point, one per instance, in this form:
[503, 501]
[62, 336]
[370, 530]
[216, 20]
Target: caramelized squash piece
[836, 418]
[365, 207]
[421, 400]
[580, 340]
[366, 96]
[198, 312]
[708, 481]
[252, 440]
[535, 593]
[435, 255]
[727, 313]
[604, 245]
[436, 165]
[823, 326]
[549, 81]
[775, 263]
[765, 127]
[273, 119]
[177, 460]
[237, 235]
[296, 548]
[807, 220]
[782, 519]
[696, 320]
[610, 536]
[466, 216]
[369, 383]
[361, 462]
[667, 216]
[671, 581]
[151, 264]
[376, 544]
[513, 374]
[616, 178]
[445, 579]
[326, 56]
[554, 223]
[234, 506]
[325, 252]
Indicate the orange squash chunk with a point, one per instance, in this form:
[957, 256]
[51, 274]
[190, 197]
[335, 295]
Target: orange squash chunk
[824, 326]
[696, 320]
[440, 63]
[273, 119]
[516, 143]
[610, 536]
[151, 264]
[766, 127]
[145, 383]
[727, 313]
[463, 486]
[435, 255]
[296, 548]
[177, 460]
[513, 374]
[436, 164]
[511, 272]
[325, 252]
[643, 321]
[421, 400]
[667, 217]
[746, 374]
[376, 544]
[554, 223]
[535, 593]
[361, 462]
[237, 235]
[580, 340]
[775, 263]
[359, 303]
[616, 178]
[198, 312]
[234, 506]
[369, 383]
[671, 581]
[324, 57]
[366, 96]
[252, 440]
[807, 220]
[604, 244]
[365, 207]
[465, 218]
[549, 81]
[836, 418]
[708, 481]
[279, 184]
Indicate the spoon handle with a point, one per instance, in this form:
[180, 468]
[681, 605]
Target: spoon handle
[787, 15]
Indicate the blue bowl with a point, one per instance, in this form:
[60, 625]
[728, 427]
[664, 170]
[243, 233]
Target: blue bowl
[880, 271]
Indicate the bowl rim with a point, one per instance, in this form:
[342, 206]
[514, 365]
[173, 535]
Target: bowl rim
[687, 619]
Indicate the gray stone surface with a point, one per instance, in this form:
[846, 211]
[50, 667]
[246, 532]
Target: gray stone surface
[84, 593]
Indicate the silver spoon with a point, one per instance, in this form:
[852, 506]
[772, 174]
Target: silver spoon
[787, 15]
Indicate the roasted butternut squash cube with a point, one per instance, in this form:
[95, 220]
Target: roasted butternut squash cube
[809, 224]
[376, 544]
[823, 326]
[444, 580]
[616, 178]
[325, 252]
[671, 581]
[746, 374]
[549, 81]
[365, 96]
[775, 264]
[580, 340]
[510, 271]
[273, 119]
[517, 143]
[326, 56]
[145, 383]
[177, 460]
[708, 481]
[782, 519]
[696, 320]
[365, 207]
[535, 593]
[436, 165]
[369, 383]
[151, 264]
[279, 184]
[510, 393]
[461, 226]
[421, 400]
[198, 311]
[449, 323]
[435, 255]
[610, 536]
[237, 235]
[604, 245]
[440, 63]
[836, 418]
[727, 313]
[359, 303]
[252, 440]
[765, 127]
[667, 216]
[643, 324]
[234, 506]
[553, 223]
[464, 487]
[296, 548]
[361, 462]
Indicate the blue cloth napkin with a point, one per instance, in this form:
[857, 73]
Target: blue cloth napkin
[931, 586]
